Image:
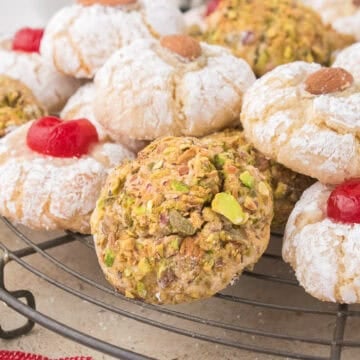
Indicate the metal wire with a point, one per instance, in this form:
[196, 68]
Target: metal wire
[335, 344]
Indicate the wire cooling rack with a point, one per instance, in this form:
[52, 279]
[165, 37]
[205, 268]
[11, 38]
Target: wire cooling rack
[318, 331]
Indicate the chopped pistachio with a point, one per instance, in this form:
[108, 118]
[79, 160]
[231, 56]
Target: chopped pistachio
[158, 165]
[219, 160]
[179, 186]
[109, 258]
[247, 179]
[180, 224]
[263, 189]
[141, 289]
[129, 295]
[174, 244]
[226, 205]
[144, 266]
[139, 210]
[250, 204]
[160, 250]
[280, 190]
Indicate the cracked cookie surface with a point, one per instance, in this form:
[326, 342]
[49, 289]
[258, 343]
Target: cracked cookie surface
[325, 255]
[79, 39]
[47, 193]
[316, 135]
[146, 91]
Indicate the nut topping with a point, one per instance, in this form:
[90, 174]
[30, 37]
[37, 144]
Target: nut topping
[328, 80]
[183, 45]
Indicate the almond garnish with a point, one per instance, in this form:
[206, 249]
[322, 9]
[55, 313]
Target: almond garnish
[183, 45]
[328, 80]
[106, 2]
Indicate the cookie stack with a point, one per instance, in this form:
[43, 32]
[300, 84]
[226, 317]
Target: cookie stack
[180, 154]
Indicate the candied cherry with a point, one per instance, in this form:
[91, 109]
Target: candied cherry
[28, 40]
[344, 203]
[64, 139]
[211, 7]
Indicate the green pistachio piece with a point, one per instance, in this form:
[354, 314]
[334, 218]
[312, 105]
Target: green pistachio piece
[280, 191]
[144, 266]
[140, 210]
[141, 290]
[225, 204]
[247, 179]
[174, 244]
[219, 160]
[109, 258]
[179, 186]
[180, 224]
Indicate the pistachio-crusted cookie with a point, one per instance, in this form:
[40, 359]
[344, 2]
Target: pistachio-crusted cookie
[19, 59]
[287, 185]
[321, 242]
[177, 225]
[80, 38]
[51, 173]
[81, 105]
[177, 86]
[343, 15]
[310, 123]
[267, 33]
[18, 105]
[349, 59]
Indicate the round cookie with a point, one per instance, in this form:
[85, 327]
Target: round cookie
[185, 88]
[80, 38]
[50, 193]
[268, 33]
[175, 225]
[325, 254]
[309, 123]
[80, 105]
[343, 15]
[349, 59]
[50, 87]
[18, 105]
[287, 185]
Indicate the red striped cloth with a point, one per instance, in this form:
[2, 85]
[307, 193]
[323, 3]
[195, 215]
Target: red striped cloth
[18, 355]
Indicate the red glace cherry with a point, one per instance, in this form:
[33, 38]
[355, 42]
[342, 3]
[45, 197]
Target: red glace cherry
[64, 139]
[344, 203]
[212, 6]
[28, 40]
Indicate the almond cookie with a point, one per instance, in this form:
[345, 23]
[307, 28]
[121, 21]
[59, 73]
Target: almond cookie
[80, 38]
[175, 225]
[18, 105]
[51, 173]
[80, 105]
[177, 86]
[20, 59]
[307, 118]
[321, 242]
[343, 15]
[268, 33]
[349, 59]
[287, 185]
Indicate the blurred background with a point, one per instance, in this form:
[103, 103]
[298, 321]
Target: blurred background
[34, 13]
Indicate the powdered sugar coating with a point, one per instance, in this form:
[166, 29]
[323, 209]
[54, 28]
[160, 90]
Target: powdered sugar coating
[79, 39]
[46, 193]
[349, 59]
[313, 135]
[343, 15]
[145, 91]
[81, 104]
[325, 255]
[50, 87]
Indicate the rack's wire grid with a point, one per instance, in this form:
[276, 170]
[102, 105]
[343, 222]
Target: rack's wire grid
[292, 346]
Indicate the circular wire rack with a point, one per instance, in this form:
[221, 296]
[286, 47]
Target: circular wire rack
[318, 330]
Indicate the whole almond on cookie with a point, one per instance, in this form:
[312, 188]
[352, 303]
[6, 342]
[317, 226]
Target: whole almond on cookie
[328, 80]
[106, 2]
[183, 45]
